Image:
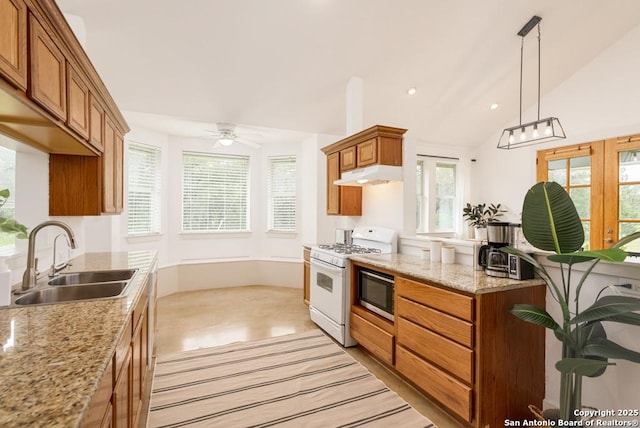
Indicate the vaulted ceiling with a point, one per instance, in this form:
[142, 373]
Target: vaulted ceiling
[285, 64]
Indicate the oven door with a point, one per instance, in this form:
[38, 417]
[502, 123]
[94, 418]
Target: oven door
[327, 290]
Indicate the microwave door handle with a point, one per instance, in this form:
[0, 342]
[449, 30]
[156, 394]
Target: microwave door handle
[373, 275]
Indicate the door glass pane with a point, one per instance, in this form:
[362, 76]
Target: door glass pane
[581, 197]
[580, 170]
[557, 171]
[629, 202]
[625, 229]
[629, 167]
[587, 234]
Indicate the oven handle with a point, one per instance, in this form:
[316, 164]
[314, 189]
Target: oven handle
[326, 265]
[373, 275]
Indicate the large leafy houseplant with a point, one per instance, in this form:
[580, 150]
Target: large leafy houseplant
[550, 222]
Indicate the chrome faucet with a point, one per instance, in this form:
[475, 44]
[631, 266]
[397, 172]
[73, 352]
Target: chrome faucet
[31, 274]
[57, 267]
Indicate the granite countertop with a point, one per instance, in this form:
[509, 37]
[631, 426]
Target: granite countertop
[53, 356]
[455, 276]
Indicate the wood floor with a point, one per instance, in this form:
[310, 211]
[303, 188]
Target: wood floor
[198, 319]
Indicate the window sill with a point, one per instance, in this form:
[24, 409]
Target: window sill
[282, 234]
[144, 237]
[215, 235]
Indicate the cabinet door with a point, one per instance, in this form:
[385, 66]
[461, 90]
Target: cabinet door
[136, 378]
[108, 170]
[13, 42]
[77, 102]
[367, 152]
[118, 172]
[96, 123]
[122, 396]
[48, 86]
[348, 158]
[333, 191]
[307, 282]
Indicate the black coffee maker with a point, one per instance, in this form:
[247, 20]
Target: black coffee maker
[495, 262]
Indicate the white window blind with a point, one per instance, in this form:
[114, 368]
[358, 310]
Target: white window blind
[215, 193]
[282, 194]
[143, 199]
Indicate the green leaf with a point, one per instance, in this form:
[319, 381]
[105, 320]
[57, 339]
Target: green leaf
[581, 366]
[550, 221]
[608, 254]
[534, 315]
[570, 258]
[628, 318]
[606, 307]
[608, 349]
[4, 193]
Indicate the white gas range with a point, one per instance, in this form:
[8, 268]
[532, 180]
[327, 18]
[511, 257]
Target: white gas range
[330, 288]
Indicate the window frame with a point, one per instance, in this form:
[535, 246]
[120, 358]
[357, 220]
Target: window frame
[429, 193]
[156, 204]
[247, 195]
[270, 195]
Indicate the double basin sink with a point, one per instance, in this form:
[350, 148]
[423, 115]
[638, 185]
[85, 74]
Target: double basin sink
[72, 287]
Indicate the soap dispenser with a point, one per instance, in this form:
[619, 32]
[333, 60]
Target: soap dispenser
[5, 283]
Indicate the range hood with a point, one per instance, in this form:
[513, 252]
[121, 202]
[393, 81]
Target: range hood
[375, 174]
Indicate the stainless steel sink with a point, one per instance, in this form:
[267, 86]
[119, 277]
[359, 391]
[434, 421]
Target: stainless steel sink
[72, 293]
[92, 277]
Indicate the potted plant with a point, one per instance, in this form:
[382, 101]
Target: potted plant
[550, 222]
[479, 215]
[8, 224]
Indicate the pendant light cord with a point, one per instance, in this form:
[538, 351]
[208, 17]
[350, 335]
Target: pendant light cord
[521, 62]
[538, 71]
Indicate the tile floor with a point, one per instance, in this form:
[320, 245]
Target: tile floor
[197, 319]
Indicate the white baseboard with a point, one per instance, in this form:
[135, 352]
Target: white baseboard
[229, 273]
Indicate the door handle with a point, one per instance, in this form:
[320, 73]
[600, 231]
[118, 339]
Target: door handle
[608, 240]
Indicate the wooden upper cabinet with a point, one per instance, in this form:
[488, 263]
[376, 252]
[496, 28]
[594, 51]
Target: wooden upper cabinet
[333, 191]
[77, 102]
[13, 42]
[348, 158]
[367, 152]
[96, 123]
[118, 172]
[48, 78]
[108, 168]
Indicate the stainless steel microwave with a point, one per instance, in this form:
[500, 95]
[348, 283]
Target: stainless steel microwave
[375, 292]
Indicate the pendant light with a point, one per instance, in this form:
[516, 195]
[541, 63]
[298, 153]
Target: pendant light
[540, 130]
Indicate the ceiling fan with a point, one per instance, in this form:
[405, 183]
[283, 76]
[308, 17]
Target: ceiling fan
[226, 135]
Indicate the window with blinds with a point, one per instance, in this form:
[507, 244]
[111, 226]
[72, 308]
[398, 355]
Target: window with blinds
[143, 199]
[282, 194]
[215, 193]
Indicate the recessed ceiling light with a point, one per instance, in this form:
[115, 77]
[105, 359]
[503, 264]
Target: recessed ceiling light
[493, 106]
[412, 91]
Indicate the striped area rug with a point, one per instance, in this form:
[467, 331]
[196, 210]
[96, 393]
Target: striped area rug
[300, 380]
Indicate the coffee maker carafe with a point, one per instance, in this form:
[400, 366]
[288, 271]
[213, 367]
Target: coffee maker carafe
[495, 262]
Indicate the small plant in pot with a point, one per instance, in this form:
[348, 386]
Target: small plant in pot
[479, 215]
[550, 222]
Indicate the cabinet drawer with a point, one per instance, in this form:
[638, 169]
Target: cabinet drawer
[446, 325]
[140, 306]
[447, 354]
[444, 388]
[374, 339]
[450, 302]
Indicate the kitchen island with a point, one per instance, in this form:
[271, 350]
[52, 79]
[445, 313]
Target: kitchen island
[452, 335]
[55, 357]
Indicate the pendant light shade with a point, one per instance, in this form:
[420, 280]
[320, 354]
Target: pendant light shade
[537, 131]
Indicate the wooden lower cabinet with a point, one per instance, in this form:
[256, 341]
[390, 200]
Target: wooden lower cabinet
[466, 351]
[306, 276]
[375, 339]
[120, 396]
